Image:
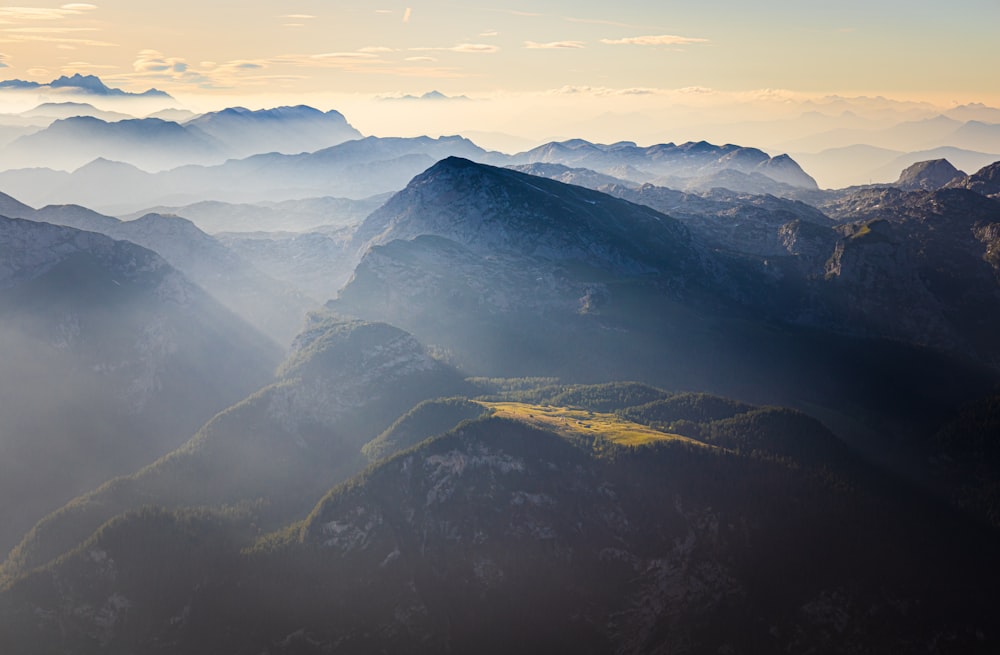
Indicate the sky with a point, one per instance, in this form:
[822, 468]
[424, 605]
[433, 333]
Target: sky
[539, 63]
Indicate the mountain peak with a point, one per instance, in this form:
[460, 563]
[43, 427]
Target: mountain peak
[91, 83]
[499, 210]
[928, 175]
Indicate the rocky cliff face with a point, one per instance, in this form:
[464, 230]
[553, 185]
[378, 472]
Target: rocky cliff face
[920, 266]
[984, 182]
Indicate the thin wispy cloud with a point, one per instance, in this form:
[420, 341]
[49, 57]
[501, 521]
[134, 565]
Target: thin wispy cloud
[421, 59]
[77, 66]
[46, 30]
[297, 16]
[662, 39]
[4, 58]
[7, 37]
[489, 33]
[601, 91]
[597, 21]
[474, 48]
[515, 12]
[152, 66]
[376, 49]
[15, 29]
[10, 15]
[154, 61]
[343, 56]
[555, 45]
[696, 90]
[407, 14]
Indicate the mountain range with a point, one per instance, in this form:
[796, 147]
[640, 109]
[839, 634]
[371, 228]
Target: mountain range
[414, 396]
[80, 84]
[154, 144]
[354, 169]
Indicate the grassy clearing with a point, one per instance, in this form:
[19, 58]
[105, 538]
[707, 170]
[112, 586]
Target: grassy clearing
[577, 423]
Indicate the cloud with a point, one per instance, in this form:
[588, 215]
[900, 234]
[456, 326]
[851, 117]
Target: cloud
[603, 91]
[154, 61]
[407, 14]
[14, 16]
[514, 12]
[297, 16]
[77, 66]
[595, 21]
[375, 49]
[554, 45]
[8, 14]
[662, 39]
[475, 48]
[22, 37]
[343, 56]
[4, 58]
[352, 61]
[696, 90]
[154, 66]
[383, 11]
[47, 30]
[489, 33]
[580, 90]
[428, 59]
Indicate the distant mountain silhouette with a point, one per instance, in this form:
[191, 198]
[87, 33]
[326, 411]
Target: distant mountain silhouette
[288, 130]
[82, 84]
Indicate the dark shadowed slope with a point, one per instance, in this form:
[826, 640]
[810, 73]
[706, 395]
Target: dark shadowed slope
[112, 358]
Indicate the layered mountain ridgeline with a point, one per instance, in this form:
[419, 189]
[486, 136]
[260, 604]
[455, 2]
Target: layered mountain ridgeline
[285, 445]
[365, 167]
[269, 217]
[487, 262]
[81, 84]
[287, 130]
[276, 309]
[355, 169]
[881, 262]
[316, 262]
[502, 535]
[700, 165]
[155, 144]
[150, 143]
[104, 344]
[740, 222]
[516, 275]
